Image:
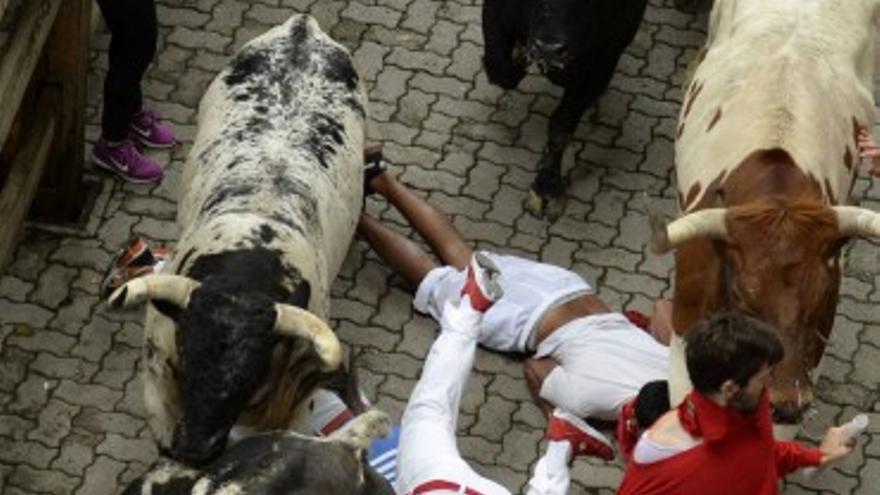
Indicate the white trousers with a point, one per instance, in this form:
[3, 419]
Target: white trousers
[428, 448]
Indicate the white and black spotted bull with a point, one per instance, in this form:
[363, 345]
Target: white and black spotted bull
[766, 157]
[279, 463]
[271, 192]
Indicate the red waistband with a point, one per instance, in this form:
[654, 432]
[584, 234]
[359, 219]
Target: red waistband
[430, 486]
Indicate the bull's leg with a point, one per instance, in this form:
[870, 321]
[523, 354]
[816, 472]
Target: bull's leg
[545, 198]
[428, 221]
[502, 67]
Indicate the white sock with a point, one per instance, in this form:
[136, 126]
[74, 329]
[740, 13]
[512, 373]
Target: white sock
[558, 454]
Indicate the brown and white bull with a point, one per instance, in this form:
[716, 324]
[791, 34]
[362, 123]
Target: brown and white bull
[766, 156]
[271, 193]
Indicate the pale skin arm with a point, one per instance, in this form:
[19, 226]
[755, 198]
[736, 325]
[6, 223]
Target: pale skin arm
[869, 149]
[661, 321]
[835, 445]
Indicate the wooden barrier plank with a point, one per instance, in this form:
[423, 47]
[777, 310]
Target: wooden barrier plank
[67, 53]
[24, 50]
[24, 176]
[3, 5]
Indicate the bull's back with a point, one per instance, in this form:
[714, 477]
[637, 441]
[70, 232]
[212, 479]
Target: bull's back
[789, 74]
[277, 161]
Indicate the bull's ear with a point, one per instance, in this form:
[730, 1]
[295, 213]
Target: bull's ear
[302, 295]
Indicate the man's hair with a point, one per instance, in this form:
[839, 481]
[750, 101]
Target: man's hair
[651, 403]
[729, 346]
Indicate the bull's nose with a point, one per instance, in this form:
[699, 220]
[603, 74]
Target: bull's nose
[551, 49]
[790, 412]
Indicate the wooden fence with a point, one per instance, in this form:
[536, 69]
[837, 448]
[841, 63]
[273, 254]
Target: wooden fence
[43, 72]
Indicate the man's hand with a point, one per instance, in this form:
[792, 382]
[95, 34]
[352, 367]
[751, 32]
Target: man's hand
[868, 148]
[836, 445]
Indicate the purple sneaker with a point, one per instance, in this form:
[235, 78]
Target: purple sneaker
[126, 161]
[148, 130]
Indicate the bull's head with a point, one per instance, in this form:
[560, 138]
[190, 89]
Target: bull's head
[781, 265]
[554, 27]
[224, 348]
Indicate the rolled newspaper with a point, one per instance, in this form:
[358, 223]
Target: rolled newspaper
[852, 429]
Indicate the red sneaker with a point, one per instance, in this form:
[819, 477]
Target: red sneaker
[135, 260]
[482, 286]
[584, 439]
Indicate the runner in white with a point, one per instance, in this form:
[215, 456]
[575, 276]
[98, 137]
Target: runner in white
[588, 361]
[429, 461]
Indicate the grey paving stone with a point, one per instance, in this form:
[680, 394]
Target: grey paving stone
[53, 423]
[96, 339]
[13, 368]
[15, 427]
[41, 481]
[14, 288]
[493, 418]
[120, 448]
[98, 396]
[101, 477]
[20, 453]
[72, 316]
[362, 336]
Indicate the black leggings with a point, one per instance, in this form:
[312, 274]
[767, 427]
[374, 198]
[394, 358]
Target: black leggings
[134, 31]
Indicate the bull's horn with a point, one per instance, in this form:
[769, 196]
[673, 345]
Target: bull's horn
[297, 322]
[175, 289]
[857, 222]
[708, 223]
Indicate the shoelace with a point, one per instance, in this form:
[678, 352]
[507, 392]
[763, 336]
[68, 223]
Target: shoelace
[147, 119]
[129, 153]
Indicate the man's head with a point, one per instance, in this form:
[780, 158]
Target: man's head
[730, 358]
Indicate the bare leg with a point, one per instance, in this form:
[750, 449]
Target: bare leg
[403, 255]
[535, 371]
[427, 220]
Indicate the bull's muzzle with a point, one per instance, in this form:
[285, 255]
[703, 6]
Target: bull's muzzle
[550, 55]
[790, 404]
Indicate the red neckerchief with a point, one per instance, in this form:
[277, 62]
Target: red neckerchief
[627, 429]
[702, 418]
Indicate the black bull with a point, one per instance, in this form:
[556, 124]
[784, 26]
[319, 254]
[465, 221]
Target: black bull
[577, 44]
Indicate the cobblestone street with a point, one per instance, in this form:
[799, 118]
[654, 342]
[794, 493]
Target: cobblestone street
[70, 392]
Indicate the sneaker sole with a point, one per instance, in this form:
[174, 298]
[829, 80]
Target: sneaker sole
[596, 434]
[153, 146]
[127, 178]
[490, 272]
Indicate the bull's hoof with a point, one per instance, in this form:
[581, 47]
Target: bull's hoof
[543, 207]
